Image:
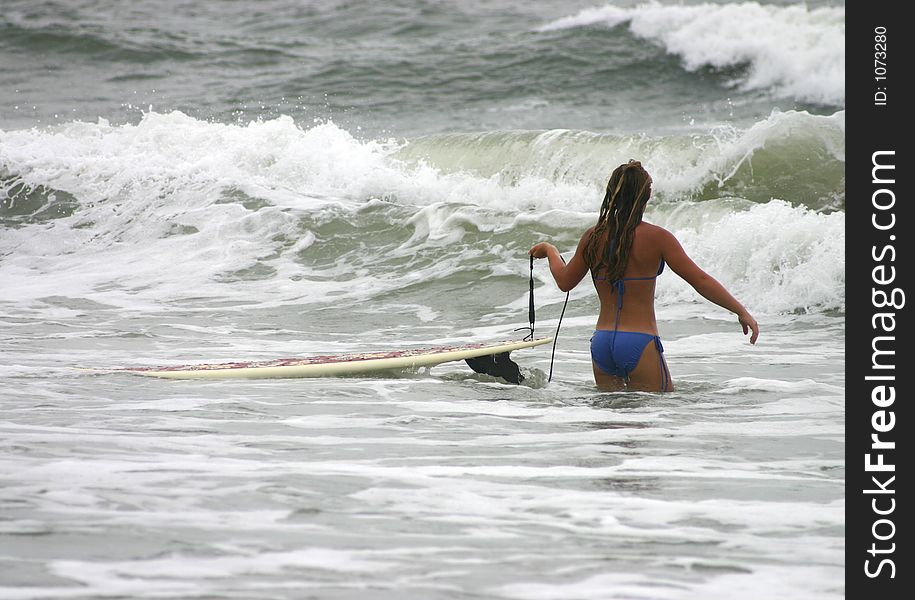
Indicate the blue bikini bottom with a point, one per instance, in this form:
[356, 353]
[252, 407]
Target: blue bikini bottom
[618, 352]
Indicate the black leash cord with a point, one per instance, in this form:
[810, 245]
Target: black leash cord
[530, 308]
[531, 317]
[556, 337]
[558, 325]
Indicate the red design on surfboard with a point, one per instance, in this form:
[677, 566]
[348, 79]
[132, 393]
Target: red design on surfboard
[318, 360]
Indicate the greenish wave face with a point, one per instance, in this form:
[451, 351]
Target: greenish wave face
[792, 156]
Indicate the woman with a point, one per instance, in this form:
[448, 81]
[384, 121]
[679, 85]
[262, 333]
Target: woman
[625, 255]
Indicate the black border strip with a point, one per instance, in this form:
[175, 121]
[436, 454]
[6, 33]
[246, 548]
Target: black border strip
[877, 240]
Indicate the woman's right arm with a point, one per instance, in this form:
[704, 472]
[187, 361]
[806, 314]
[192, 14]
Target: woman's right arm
[567, 275]
[710, 289]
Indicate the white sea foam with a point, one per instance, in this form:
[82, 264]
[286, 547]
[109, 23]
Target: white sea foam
[778, 257]
[795, 51]
[170, 207]
[807, 582]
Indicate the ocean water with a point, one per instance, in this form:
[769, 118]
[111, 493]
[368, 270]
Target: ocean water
[211, 181]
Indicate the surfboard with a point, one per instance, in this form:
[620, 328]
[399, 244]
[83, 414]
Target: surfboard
[334, 364]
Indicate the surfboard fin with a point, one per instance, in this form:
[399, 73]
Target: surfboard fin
[497, 365]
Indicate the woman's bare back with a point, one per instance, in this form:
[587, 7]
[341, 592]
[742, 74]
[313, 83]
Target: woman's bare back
[637, 313]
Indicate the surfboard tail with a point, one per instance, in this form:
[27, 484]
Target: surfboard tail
[497, 365]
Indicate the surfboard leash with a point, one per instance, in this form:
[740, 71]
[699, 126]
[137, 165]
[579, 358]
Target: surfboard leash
[558, 325]
[531, 315]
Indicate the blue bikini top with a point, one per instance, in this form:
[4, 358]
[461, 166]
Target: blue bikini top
[660, 270]
[617, 284]
[620, 285]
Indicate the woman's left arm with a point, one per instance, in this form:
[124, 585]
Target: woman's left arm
[570, 274]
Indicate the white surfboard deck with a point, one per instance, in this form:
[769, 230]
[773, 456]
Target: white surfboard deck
[334, 365]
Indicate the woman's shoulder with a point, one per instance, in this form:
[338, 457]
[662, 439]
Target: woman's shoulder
[586, 236]
[652, 230]
[656, 236]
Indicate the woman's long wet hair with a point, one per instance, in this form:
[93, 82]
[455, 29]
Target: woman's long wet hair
[627, 194]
